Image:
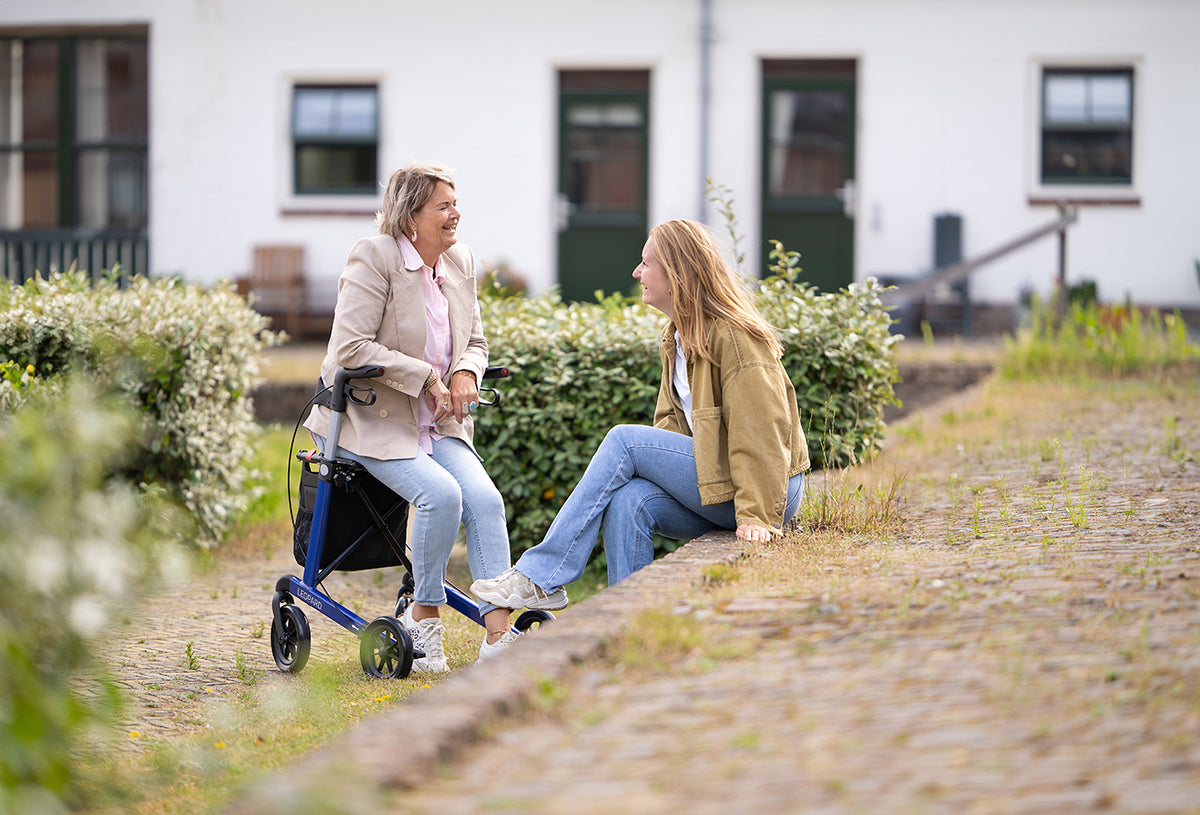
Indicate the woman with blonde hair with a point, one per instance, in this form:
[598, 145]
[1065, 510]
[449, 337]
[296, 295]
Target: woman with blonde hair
[726, 450]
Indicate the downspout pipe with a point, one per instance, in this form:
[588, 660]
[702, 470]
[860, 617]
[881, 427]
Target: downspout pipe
[706, 40]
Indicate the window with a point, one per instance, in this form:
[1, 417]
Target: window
[1087, 126]
[73, 132]
[335, 134]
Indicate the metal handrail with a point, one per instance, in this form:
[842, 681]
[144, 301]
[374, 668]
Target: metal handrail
[947, 275]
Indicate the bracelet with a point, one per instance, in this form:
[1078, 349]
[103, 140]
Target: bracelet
[433, 377]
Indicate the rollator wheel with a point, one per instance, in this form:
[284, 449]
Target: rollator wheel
[532, 619]
[386, 649]
[291, 643]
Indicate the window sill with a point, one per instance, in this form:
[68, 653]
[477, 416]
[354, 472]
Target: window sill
[1085, 198]
[329, 205]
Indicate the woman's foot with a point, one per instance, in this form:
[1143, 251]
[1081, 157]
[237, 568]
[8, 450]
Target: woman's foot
[426, 636]
[490, 649]
[514, 590]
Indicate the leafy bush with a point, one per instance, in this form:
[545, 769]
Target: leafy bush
[72, 540]
[580, 368]
[186, 356]
[1093, 340]
[839, 351]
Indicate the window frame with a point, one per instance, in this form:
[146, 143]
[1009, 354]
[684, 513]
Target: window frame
[332, 202]
[69, 149]
[1084, 190]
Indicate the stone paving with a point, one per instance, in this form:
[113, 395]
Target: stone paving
[1053, 667]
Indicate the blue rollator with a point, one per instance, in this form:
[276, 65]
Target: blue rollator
[333, 534]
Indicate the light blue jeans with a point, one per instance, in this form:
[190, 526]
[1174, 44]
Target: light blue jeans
[642, 480]
[443, 490]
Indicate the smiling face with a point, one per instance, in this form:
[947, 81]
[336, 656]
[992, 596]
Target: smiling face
[656, 286]
[437, 223]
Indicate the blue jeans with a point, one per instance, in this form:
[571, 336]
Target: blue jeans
[443, 490]
[642, 480]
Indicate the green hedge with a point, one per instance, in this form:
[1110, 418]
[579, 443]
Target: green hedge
[578, 369]
[185, 356]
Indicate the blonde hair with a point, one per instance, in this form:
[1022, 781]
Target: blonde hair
[409, 189]
[704, 288]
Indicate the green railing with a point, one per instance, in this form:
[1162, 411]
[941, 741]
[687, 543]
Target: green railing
[26, 253]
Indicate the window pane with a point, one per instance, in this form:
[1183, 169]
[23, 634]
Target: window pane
[806, 143]
[112, 189]
[312, 112]
[39, 95]
[39, 197]
[112, 91]
[355, 113]
[1066, 99]
[1111, 99]
[604, 156]
[1086, 155]
[336, 169]
[10, 88]
[332, 113]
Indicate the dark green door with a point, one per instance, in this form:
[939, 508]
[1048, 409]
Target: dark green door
[602, 180]
[808, 173]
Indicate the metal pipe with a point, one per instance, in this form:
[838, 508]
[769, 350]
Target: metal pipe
[705, 101]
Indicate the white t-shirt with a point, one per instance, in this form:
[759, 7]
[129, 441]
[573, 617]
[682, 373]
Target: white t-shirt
[680, 381]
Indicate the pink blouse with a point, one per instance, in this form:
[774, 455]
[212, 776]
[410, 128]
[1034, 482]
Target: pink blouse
[437, 332]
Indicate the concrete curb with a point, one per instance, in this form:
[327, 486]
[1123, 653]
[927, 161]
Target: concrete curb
[399, 748]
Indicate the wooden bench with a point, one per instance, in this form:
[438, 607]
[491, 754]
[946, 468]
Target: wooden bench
[278, 283]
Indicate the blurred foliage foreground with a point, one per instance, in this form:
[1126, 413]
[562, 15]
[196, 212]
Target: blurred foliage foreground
[127, 422]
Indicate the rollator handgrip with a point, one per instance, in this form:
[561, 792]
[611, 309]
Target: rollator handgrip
[339, 394]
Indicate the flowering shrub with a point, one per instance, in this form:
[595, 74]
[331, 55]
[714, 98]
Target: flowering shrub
[72, 540]
[186, 357]
[580, 368]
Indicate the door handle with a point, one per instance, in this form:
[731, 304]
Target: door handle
[849, 197]
[562, 212]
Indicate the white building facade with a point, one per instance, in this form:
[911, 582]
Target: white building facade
[842, 127]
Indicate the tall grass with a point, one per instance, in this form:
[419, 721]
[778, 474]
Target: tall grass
[1091, 340]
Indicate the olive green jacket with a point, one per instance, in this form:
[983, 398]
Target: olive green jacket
[748, 438]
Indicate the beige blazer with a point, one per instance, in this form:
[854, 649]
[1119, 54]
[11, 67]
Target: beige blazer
[379, 319]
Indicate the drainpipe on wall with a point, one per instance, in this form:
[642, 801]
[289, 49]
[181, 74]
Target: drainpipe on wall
[705, 94]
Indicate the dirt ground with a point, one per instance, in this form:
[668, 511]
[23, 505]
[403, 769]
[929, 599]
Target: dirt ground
[1028, 642]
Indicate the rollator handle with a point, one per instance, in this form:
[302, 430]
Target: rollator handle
[340, 393]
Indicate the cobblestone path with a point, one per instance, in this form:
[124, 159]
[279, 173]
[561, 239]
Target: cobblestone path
[1029, 642]
[1002, 655]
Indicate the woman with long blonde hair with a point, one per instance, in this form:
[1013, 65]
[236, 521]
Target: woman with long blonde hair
[726, 450]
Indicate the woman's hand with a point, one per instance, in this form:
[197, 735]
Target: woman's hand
[754, 532]
[439, 401]
[464, 394]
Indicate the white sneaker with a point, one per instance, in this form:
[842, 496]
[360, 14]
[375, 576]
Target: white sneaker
[514, 590]
[490, 649]
[426, 636]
